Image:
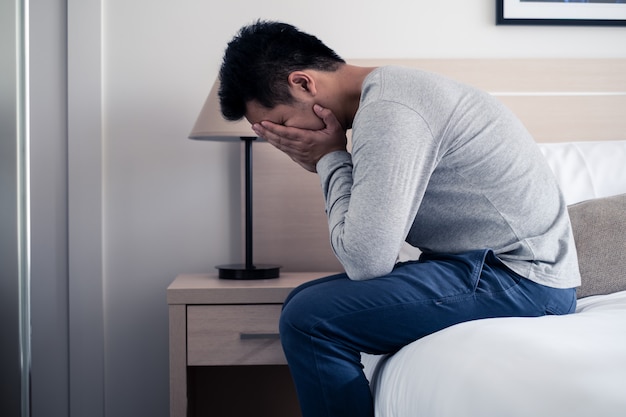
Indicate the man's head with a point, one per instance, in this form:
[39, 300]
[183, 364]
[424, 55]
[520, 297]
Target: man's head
[258, 61]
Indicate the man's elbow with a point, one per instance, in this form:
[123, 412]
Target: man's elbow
[360, 271]
[363, 261]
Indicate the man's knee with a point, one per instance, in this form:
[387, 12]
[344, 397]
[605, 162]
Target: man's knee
[289, 327]
[291, 316]
[300, 316]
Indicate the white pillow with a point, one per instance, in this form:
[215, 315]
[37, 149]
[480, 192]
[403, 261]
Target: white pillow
[587, 170]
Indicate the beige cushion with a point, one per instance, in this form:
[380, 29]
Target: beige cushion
[600, 234]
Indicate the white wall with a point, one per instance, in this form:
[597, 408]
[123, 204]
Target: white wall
[171, 204]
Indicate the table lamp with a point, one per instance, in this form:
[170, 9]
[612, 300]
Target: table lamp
[212, 126]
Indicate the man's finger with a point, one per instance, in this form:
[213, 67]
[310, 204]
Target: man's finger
[327, 116]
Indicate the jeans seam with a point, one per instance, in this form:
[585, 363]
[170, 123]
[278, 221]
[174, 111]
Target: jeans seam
[327, 399]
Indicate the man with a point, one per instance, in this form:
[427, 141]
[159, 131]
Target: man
[433, 162]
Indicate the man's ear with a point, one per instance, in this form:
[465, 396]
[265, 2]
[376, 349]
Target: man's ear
[301, 83]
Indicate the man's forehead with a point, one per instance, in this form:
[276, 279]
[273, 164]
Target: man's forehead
[256, 112]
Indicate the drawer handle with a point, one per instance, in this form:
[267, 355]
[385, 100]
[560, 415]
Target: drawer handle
[251, 336]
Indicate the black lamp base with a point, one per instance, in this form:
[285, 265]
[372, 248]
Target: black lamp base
[240, 271]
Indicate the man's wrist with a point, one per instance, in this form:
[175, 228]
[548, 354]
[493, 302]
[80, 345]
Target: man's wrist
[332, 159]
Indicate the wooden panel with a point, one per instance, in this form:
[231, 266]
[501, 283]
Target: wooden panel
[208, 289]
[524, 75]
[571, 118]
[234, 335]
[290, 227]
[557, 99]
[178, 360]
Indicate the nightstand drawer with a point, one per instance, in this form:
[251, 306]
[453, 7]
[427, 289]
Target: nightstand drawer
[234, 335]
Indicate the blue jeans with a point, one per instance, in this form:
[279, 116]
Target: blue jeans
[326, 323]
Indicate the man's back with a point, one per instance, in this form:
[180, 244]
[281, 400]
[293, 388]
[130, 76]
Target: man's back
[452, 170]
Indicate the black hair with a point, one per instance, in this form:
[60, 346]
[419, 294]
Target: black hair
[258, 61]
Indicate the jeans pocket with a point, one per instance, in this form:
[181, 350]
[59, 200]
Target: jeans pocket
[495, 277]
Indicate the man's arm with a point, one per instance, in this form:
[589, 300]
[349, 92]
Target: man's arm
[372, 195]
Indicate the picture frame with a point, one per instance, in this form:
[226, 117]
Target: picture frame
[561, 12]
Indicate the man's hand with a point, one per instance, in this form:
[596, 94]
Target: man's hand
[306, 147]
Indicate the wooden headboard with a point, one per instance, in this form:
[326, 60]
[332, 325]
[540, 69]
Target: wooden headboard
[559, 100]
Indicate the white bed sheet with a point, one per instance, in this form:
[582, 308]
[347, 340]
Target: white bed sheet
[571, 366]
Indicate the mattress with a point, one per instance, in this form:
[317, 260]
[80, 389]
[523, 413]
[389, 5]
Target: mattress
[572, 365]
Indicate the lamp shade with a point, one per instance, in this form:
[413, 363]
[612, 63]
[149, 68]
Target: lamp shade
[211, 125]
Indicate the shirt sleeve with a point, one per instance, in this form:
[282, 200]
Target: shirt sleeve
[373, 194]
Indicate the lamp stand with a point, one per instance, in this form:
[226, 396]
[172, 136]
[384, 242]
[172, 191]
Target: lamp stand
[248, 270]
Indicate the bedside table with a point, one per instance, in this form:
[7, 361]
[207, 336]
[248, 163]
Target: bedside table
[216, 322]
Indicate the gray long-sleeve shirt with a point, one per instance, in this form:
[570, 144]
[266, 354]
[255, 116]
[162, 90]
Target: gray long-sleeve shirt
[449, 169]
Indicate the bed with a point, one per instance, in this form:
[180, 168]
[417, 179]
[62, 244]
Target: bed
[571, 365]
[548, 366]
